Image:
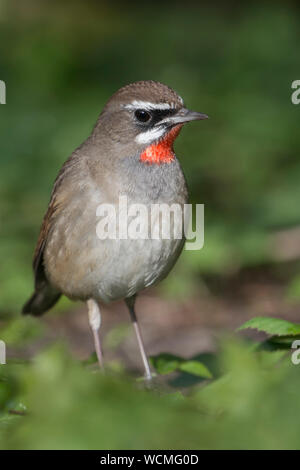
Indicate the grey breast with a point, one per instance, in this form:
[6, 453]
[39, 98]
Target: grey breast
[81, 265]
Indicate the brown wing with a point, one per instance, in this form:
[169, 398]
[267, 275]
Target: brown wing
[45, 295]
[38, 265]
[55, 204]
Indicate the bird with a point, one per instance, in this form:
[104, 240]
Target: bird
[130, 154]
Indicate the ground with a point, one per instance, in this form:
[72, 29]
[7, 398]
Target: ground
[183, 327]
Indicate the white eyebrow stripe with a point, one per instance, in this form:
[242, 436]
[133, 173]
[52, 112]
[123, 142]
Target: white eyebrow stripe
[138, 104]
[149, 136]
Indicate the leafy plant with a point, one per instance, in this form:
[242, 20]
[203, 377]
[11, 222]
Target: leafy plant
[272, 326]
[64, 405]
[167, 363]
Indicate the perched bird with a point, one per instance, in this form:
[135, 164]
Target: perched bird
[129, 153]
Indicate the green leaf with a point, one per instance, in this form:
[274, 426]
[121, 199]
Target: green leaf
[195, 368]
[272, 326]
[165, 363]
[283, 340]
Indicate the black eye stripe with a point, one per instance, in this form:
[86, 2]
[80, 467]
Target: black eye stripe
[159, 114]
[156, 115]
[162, 113]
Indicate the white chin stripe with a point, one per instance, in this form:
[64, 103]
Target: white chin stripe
[137, 104]
[149, 136]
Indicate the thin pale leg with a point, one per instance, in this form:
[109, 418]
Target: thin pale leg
[95, 323]
[130, 304]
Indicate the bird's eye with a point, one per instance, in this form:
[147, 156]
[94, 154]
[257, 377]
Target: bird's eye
[142, 115]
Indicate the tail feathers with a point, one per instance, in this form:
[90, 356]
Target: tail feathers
[42, 300]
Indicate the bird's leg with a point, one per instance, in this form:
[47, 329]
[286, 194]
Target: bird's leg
[130, 304]
[95, 322]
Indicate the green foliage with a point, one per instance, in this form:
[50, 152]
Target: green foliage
[293, 290]
[62, 404]
[21, 331]
[167, 363]
[195, 368]
[272, 326]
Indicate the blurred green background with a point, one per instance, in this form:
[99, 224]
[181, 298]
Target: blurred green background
[61, 61]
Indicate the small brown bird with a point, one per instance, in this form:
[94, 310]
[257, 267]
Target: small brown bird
[129, 153]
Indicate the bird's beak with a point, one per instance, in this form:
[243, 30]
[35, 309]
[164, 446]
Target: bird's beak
[182, 116]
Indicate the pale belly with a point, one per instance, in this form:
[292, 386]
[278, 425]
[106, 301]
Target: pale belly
[133, 266]
[81, 265]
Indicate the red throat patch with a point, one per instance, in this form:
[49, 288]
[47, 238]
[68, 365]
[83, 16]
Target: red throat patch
[161, 151]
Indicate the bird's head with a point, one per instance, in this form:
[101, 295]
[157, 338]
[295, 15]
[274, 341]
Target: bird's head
[144, 118]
